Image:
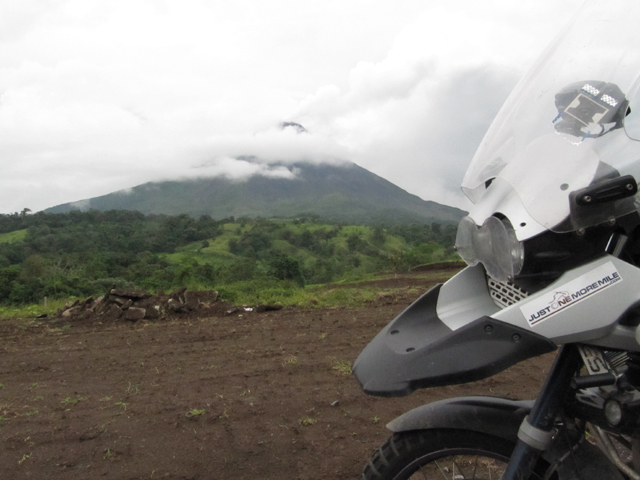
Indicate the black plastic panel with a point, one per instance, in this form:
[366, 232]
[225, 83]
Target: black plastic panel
[495, 416]
[417, 350]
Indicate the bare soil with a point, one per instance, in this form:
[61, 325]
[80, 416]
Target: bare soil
[243, 396]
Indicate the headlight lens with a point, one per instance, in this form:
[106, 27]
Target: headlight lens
[494, 244]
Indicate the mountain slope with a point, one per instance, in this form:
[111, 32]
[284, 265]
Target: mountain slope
[346, 193]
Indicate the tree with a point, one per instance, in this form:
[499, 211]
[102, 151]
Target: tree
[33, 267]
[284, 267]
[243, 269]
[8, 276]
[354, 242]
[378, 236]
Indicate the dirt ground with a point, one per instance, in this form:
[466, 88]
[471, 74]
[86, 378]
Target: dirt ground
[245, 396]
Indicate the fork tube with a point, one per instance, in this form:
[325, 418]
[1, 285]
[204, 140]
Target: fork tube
[542, 416]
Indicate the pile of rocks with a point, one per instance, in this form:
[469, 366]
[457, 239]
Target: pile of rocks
[134, 305]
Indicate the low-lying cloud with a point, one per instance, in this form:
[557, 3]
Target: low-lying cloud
[239, 169]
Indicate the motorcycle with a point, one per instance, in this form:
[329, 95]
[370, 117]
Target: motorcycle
[552, 244]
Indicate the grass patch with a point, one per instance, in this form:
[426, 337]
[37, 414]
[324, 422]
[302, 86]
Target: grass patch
[194, 413]
[13, 237]
[341, 294]
[307, 421]
[33, 310]
[72, 401]
[264, 290]
[343, 367]
[341, 297]
[287, 293]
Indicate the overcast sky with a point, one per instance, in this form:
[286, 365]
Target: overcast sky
[102, 95]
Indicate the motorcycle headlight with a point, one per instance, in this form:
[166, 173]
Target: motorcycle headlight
[494, 244]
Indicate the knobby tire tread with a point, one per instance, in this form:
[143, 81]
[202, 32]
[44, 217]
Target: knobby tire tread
[403, 448]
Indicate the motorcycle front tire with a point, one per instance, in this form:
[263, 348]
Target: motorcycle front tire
[453, 454]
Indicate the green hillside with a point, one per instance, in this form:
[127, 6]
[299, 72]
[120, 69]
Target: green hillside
[340, 193]
[85, 253]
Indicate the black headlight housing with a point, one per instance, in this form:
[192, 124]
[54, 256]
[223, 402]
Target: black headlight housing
[548, 255]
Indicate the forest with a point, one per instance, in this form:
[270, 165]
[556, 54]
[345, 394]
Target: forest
[76, 254]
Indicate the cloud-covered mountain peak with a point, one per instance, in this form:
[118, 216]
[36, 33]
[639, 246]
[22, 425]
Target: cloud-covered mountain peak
[340, 192]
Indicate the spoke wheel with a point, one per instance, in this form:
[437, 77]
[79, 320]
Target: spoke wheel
[440, 455]
[458, 465]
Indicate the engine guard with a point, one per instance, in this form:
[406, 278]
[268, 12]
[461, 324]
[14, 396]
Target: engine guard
[418, 350]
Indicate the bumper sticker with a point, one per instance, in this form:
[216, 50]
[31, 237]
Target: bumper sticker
[569, 294]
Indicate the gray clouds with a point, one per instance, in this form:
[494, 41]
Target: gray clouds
[98, 96]
[417, 116]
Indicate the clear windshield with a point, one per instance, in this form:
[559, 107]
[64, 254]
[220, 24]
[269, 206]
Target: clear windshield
[571, 121]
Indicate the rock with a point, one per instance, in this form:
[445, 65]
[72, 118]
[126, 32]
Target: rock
[153, 312]
[134, 305]
[179, 295]
[173, 305]
[133, 314]
[200, 298]
[191, 300]
[101, 305]
[71, 305]
[113, 313]
[70, 312]
[87, 303]
[120, 300]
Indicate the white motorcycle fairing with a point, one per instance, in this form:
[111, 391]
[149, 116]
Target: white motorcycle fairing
[457, 332]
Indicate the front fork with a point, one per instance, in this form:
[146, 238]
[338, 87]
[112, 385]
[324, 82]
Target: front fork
[536, 433]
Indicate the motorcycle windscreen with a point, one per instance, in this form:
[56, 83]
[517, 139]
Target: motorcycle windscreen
[417, 350]
[564, 127]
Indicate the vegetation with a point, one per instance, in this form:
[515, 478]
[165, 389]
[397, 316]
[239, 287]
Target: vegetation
[84, 253]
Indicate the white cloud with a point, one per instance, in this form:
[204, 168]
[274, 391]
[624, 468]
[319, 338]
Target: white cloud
[98, 96]
[241, 169]
[417, 116]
